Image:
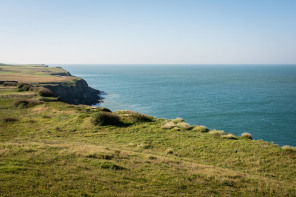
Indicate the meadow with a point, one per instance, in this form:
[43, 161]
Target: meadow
[34, 74]
[51, 148]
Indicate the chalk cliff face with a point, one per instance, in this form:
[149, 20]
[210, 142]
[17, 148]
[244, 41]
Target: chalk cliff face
[76, 93]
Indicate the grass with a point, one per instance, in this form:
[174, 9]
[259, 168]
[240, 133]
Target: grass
[34, 74]
[246, 135]
[54, 149]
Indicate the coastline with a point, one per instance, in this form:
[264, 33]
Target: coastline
[54, 148]
[68, 88]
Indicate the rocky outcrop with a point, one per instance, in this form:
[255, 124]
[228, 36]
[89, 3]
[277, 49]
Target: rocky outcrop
[76, 92]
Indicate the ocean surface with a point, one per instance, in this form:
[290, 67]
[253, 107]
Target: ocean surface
[260, 99]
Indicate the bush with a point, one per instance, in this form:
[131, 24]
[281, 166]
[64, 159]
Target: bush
[246, 136]
[10, 83]
[106, 109]
[106, 118]
[23, 86]
[132, 117]
[45, 92]
[26, 103]
[138, 117]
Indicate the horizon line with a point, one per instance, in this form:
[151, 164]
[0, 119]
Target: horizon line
[150, 63]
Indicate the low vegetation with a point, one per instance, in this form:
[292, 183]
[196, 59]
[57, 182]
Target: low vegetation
[246, 135]
[34, 74]
[57, 149]
[106, 118]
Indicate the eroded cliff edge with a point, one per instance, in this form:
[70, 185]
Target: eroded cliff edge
[68, 88]
[75, 92]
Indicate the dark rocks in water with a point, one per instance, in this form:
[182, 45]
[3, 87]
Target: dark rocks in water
[77, 93]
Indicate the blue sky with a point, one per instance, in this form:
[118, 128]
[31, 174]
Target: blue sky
[148, 31]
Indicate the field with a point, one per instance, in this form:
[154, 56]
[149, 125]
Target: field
[33, 73]
[56, 149]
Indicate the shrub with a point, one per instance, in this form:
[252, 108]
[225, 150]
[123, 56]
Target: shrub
[106, 109]
[10, 83]
[23, 86]
[105, 118]
[246, 136]
[26, 103]
[136, 117]
[21, 103]
[35, 89]
[201, 128]
[10, 119]
[45, 92]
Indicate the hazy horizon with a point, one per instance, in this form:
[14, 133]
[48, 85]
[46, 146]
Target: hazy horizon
[148, 32]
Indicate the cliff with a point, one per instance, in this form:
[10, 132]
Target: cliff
[51, 148]
[68, 88]
[77, 92]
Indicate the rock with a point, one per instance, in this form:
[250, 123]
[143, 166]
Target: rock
[77, 93]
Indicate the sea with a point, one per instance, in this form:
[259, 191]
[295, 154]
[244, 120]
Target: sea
[259, 99]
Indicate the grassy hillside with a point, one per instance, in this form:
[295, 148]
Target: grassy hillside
[33, 73]
[53, 148]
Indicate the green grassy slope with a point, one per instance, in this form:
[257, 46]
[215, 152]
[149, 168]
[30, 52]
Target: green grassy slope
[34, 73]
[52, 148]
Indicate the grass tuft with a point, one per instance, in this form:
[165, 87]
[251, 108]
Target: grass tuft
[246, 135]
[229, 136]
[131, 117]
[289, 148]
[214, 132]
[201, 128]
[176, 124]
[106, 118]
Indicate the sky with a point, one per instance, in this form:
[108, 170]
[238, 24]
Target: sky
[148, 31]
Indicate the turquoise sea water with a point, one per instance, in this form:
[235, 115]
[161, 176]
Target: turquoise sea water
[260, 99]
